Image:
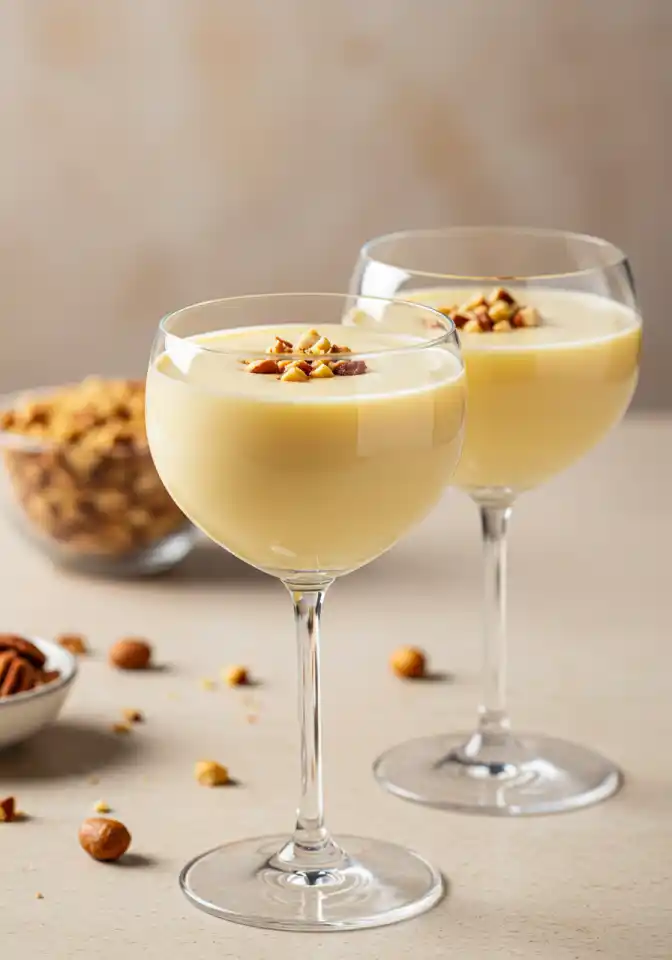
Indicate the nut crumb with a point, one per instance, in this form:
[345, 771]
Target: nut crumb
[236, 676]
[121, 728]
[74, 643]
[39, 896]
[102, 807]
[409, 662]
[8, 810]
[131, 715]
[211, 774]
[208, 684]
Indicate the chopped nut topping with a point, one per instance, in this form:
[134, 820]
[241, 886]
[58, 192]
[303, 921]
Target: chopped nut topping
[280, 346]
[211, 774]
[294, 373]
[263, 366]
[499, 312]
[314, 363]
[307, 340]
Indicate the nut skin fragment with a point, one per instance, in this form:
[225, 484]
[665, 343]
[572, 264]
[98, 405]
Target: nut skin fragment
[263, 366]
[104, 839]
[130, 653]
[211, 774]
[236, 676]
[8, 810]
[409, 662]
[74, 643]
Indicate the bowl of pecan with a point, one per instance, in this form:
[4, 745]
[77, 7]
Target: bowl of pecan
[80, 481]
[35, 679]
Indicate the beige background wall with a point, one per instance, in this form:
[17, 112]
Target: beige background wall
[154, 152]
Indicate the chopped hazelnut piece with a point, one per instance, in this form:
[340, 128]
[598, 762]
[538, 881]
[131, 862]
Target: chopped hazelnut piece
[131, 715]
[349, 368]
[121, 728]
[39, 896]
[236, 676]
[211, 774]
[322, 371]
[262, 366]
[526, 317]
[473, 326]
[102, 807]
[500, 310]
[307, 340]
[280, 346]
[294, 374]
[499, 293]
[502, 326]
[409, 662]
[323, 345]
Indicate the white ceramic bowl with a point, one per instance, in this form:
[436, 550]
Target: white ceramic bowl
[24, 714]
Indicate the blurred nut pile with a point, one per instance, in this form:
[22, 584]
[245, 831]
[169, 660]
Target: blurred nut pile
[86, 478]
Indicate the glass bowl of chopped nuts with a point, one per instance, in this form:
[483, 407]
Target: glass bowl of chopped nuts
[80, 481]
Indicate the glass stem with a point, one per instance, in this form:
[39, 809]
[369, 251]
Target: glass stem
[493, 720]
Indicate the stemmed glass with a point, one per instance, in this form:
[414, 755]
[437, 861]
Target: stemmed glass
[551, 361]
[307, 478]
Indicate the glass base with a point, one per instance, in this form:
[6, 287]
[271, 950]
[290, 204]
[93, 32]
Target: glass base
[373, 884]
[514, 776]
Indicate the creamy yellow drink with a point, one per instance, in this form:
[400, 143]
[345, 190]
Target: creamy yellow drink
[314, 474]
[539, 397]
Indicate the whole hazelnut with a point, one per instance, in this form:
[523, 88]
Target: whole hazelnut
[408, 662]
[131, 653]
[104, 839]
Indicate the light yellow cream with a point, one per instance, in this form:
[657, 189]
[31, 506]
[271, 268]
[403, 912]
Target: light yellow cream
[539, 398]
[317, 476]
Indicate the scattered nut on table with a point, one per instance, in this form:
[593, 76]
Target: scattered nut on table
[211, 774]
[236, 676]
[8, 810]
[130, 653]
[121, 728]
[409, 662]
[131, 715]
[104, 839]
[74, 643]
[102, 807]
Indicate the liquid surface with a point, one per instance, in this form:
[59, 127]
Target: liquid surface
[305, 477]
[539, 398]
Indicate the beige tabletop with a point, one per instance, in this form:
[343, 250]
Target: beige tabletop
[590, 659]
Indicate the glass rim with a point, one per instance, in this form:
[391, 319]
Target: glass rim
[448, 335]
[618, 258]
